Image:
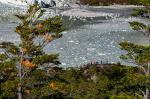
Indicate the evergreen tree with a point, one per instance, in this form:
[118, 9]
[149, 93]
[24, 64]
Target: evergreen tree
[139, 55]
[22, 67]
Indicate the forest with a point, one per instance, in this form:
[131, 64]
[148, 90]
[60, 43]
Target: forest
[110, 2]
[28, 72]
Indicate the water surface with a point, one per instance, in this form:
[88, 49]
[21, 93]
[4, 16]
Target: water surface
[88, 39]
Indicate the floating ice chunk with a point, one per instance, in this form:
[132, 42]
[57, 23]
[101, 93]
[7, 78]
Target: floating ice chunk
[64, 64]
[61, 48]
[91, 49]
[101, 54]
[71, 41]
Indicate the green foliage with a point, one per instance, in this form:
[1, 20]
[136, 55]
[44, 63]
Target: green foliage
[110, 2]
[8, 71]
[133, 80]
[140, 55]
[82, 86]
[93, 2]
[29, 56]
[40, 79]
[137, 25]
[140, 12]
[9, 47]
[122, 96]
[3, 57]
[144, 2]
[9, 89]
[137, 53]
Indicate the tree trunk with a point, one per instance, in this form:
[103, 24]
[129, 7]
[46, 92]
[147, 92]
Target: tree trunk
[19, 93]
[20, 76]
[146, 96]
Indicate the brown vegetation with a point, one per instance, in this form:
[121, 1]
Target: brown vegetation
[108, 2]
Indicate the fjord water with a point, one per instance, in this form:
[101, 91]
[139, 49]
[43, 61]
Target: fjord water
[86, 40]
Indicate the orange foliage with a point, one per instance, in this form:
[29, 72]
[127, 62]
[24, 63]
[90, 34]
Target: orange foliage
[18, 31]
[27, 91]
[28, 64]
[18, 85]
[39, 26]
[53, 86]
[48, 38]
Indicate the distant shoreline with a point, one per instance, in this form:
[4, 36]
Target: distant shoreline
[84, 12]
